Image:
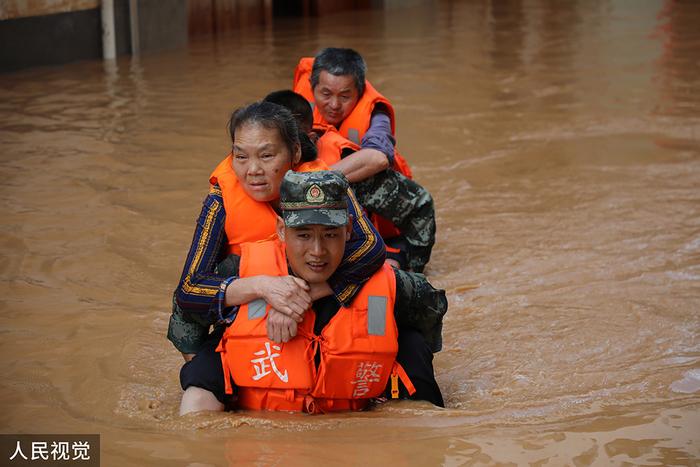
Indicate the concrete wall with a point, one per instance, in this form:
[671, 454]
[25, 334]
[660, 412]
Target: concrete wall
[51, 32]
[122, 27]
[162, 24]
[50, 39]
[12, 9]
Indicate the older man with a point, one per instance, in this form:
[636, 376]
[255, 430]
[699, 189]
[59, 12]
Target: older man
[335, 85]
[343, 100]
[329, 357]
[388, 194]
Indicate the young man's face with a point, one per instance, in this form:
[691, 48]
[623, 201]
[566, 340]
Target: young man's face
[335, 96]
[314, 252]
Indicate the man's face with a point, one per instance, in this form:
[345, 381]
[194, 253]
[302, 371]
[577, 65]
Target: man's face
[335, 96]
[314, 252]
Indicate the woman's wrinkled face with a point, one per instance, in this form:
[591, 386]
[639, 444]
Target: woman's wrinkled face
[260, 160]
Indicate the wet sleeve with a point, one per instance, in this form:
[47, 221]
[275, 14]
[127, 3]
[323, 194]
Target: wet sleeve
[198, 294]
[420, 306]
[186, 335]
[378, 136]
[186, 331]
[365, 253]
[408, 205]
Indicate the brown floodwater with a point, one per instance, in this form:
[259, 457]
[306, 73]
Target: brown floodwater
[561, 142]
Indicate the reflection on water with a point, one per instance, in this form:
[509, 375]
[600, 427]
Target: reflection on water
[678, 65]
[561, 143]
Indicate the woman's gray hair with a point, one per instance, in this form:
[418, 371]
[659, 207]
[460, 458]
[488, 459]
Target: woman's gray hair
[276, 117]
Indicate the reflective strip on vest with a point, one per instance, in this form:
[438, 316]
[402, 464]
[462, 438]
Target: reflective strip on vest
[354, 135]
[256, 308]
[376, 315]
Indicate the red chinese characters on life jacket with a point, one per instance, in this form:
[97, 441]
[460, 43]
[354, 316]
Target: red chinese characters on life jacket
[355, 351]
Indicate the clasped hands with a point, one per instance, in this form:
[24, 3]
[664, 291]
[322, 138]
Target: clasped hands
[289, 297]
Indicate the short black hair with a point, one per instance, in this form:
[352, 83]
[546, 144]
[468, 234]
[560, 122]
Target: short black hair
[340, 62]
[296, 104]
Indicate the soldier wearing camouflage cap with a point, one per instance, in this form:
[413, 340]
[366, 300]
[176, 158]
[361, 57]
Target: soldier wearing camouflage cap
[314, 198]
[393, 324]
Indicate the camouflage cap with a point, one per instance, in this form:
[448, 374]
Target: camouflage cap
[314, 198]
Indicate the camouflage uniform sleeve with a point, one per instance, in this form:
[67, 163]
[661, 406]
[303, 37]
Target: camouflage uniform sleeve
[420, 306]
[188, 331]
[186, 334]
[408, 205]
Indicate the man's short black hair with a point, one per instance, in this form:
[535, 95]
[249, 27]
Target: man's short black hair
[295, 103]
[340, 62]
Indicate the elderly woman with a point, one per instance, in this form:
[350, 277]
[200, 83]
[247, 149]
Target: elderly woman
[242, 206]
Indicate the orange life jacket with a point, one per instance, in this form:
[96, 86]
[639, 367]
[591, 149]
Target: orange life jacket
[330, 145]
[357, 347]
[356, 124]
[248, 220]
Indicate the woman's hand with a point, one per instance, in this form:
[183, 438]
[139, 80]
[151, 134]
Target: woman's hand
[287, 295]
[280, 327]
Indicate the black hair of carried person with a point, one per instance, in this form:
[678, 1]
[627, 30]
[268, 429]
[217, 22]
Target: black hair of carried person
[340, 62]
[295, 103]
[274, 116]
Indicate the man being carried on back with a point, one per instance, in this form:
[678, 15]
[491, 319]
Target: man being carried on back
[357, 138]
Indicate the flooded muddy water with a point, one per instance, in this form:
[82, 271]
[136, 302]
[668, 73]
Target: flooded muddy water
[561, 142]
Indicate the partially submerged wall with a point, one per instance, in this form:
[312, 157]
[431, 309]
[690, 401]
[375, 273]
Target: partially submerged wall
[50, 32]
[13, 9]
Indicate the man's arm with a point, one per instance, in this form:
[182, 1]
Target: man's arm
[420, 306]
[362, 164]
[408, 205]
[376, 153]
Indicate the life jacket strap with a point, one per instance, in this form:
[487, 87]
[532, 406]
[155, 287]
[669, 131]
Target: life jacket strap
[228, 389]
[397, 372]
[289, 395]
[310, 405]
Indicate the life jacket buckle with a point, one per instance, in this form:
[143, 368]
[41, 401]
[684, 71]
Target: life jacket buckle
[394, 385]
[310, 405]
